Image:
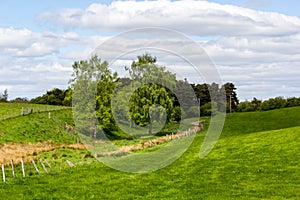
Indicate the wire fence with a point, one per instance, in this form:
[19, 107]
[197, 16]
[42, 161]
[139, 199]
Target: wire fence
[10, 110]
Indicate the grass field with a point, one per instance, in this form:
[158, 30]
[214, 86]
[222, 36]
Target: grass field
[10, 110]
[256, 157]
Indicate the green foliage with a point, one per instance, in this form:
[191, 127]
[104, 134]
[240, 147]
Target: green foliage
[143, 101]
[270, 104]
[120, 103]
[273, 103]
[231, 97]
[245, 107]
[93, 84]
[202, 93]
[19, 100]
[104, 94]
[206, 109]
[178, 114]
[67, 97]
[151, 82]
[221, 95]
[54, 97]
[184, 95]
[193, 111]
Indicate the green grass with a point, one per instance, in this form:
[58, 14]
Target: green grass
[262, 165]
[249, 122]
[37, 127]
[10, 110]
[256, 157]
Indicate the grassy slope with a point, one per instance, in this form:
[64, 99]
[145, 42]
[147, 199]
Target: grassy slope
[241, 166]
[36, 127]
[242, 123]
[10, 110]
[259, 165]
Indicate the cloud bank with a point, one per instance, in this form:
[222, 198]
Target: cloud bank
[258, 51]
[200, 18]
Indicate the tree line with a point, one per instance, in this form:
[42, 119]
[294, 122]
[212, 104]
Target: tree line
[55, 97]
[150, 94]
[270, 104]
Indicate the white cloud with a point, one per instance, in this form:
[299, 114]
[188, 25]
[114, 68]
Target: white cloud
[31, 80]
[191, 17]
[16, 38]
[23, 42]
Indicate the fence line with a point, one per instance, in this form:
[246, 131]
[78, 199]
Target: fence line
[4, 172]
[29, 110]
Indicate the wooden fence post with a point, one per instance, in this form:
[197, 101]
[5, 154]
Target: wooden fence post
[37, 170]
[23, 169]
[70, 163]
[48, 164]
[13, 168]
[3, 173]
[43, 166]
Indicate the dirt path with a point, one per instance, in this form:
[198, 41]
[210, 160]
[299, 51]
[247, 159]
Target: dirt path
[17, 151]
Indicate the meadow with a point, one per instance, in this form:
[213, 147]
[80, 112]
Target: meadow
[256, 157]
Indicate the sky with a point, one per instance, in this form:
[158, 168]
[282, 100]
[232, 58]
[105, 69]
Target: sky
[253, 44]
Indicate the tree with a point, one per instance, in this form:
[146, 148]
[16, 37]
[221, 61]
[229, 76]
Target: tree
[68, 97]
[245, 107]
[256, 104]
[4, 96]
[53, 97]
[105, 88]
[273, 103]
[202, 93]
[186, 97]
[292, 102]
[231, 97]
[151, 101]
[20, 100]
[92, 84]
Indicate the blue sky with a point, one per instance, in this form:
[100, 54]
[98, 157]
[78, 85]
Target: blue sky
[254, 44]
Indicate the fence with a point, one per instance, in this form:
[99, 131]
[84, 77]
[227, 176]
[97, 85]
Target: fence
[8, 110]
[22, 170]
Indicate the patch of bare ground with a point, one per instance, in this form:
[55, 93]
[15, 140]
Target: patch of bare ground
[17, 151]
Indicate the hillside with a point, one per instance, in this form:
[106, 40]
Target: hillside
[253, 166]
[249, 122]
[257, 157]
[36, 127]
